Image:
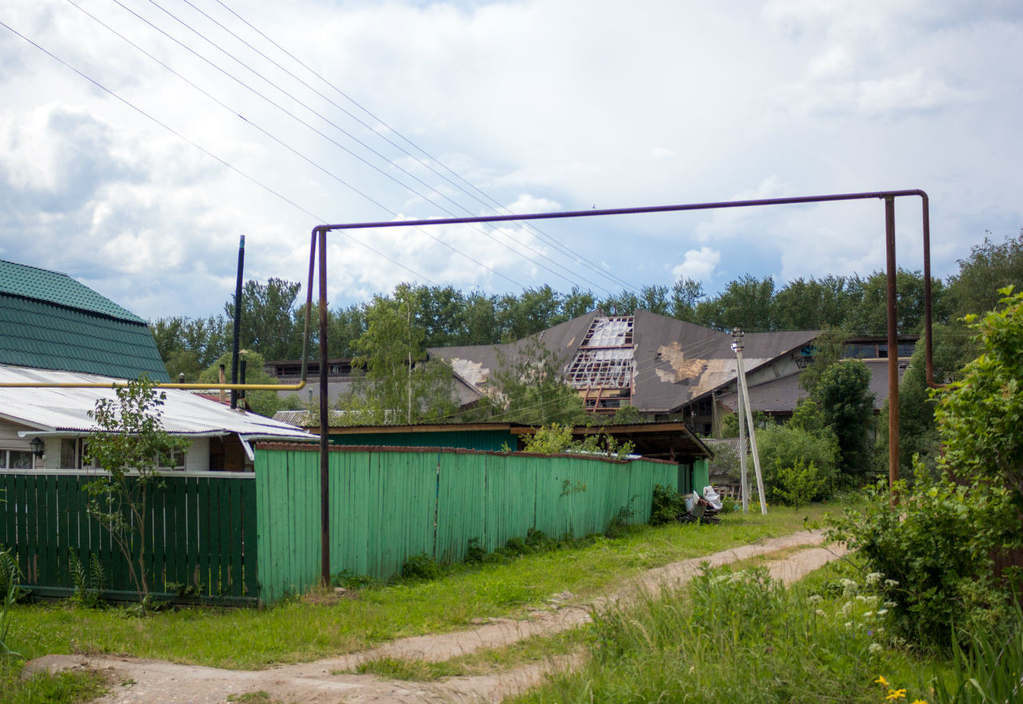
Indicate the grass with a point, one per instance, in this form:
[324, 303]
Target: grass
[62, 688]
[738, 637]
[300, 631]
[481, 662]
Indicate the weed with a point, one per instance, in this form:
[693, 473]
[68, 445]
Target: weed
[88, 583]
[59, 688]
[349, 580]
[421, 567]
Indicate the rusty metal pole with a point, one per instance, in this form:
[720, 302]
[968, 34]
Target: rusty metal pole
[324, 419]
[928, 326]
[893, 345]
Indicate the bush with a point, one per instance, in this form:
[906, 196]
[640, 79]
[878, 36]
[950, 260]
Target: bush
[799, 483]
[667, 506]
[933, 553]
[422, 567]
[786, 446]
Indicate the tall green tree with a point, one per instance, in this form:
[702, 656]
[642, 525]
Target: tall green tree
[268, 324]
[747, 303]
[815, 304]
[187, 345]
[400, 386]
[991, 266]
[870, 317]
[686, 294]
[847, 406]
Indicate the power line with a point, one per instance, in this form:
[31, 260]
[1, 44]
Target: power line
[477, 227]
[205, 151]
[276, 139]
[496, 204]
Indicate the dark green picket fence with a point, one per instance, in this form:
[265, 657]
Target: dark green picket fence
[255, 537]
[389, 504]
[200, 540]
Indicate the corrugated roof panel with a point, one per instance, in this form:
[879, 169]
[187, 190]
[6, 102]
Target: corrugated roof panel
[64, 409]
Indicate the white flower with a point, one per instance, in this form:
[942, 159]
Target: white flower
[875, 648]
[891, 583]
[868, 614]
[882, 612]
[820, 612]
[816, 599]
[848, 624]
[873, 578]
[846, 608]
[890, 604]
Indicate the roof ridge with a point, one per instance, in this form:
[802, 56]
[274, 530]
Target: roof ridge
[59, 289]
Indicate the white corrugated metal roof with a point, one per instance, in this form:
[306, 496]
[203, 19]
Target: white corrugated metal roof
[67, 410]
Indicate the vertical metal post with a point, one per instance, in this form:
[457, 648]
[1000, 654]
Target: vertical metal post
[928, 327]
[893, 345]
[237, 321]
[324, 420]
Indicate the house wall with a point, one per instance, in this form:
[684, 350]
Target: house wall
[9, 439]
[197, 457]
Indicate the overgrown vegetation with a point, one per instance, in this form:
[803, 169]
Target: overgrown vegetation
[737, 637]
[934, 550]
[556, 438]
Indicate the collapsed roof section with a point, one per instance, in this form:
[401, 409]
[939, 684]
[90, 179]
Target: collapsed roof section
[652, 362]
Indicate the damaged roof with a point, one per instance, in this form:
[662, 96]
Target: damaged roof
[667, 363]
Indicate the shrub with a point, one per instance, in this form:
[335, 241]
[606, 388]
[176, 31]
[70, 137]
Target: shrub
[421, 566]
[785, 446]
[933, 552]
[799, 483]
[667, 506]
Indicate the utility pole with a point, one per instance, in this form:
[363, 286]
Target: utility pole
[746, 410]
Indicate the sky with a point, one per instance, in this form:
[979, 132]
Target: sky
[139, 139]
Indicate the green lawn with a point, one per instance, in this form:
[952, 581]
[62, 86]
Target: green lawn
[307, 629]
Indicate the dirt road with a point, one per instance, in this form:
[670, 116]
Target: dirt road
[157, 682]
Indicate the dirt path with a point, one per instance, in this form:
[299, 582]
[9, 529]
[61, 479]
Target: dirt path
[157, 682]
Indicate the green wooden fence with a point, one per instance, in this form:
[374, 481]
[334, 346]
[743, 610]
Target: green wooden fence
[389, 504]
[201, 538]
[252, 537]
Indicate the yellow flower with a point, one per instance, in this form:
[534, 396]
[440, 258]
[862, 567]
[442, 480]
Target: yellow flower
[881, 681]
[919, 701]
[896, 694]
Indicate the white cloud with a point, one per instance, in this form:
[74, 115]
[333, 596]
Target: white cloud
[699, 264]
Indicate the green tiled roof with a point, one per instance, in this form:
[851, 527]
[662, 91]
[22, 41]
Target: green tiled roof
[45, 336]
[50, 321]
[53, 287]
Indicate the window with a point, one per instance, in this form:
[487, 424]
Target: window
[16, 459]
[175, 460]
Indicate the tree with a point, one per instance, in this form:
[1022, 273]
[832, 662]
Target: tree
[400, 384]
[267, 326]
[989, 268]
[847, 407]
[815, 304]
[187, 346]
[828, 350]
[131, 446]
[685, 295]
[265, 403]
[747, 303]
[981, 417]
[533, 389]
[870, 317]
